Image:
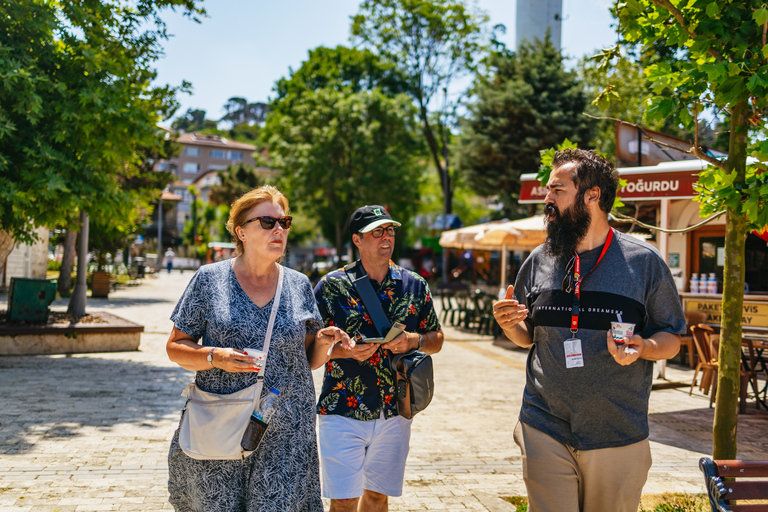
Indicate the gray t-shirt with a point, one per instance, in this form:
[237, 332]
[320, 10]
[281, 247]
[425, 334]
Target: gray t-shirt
[602, 404]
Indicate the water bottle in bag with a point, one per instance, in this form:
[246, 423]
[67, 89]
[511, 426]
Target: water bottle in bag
[259, 421]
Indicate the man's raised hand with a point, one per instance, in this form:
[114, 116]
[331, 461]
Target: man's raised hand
[508, 312]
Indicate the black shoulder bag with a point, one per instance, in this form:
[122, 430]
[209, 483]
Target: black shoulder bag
[414, 380]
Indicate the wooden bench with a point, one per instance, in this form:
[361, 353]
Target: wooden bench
[727, 481]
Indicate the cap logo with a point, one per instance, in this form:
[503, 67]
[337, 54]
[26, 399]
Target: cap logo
[377, 212]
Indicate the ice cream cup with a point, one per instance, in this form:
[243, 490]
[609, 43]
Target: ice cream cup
[621, 330]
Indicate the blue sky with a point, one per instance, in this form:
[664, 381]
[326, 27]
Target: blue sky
[244, 46]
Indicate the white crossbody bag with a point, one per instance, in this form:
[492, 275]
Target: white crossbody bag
[212, 425]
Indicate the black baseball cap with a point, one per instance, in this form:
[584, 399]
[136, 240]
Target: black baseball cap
[368, 218]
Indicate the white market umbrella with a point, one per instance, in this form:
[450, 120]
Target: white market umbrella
[465, 238]
[521, 234]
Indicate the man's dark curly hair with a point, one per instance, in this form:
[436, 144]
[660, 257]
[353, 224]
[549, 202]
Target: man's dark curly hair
[591, 170]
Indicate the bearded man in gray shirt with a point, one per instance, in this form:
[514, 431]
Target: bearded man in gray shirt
[583, 428]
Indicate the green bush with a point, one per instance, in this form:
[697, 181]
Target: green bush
[54, 265]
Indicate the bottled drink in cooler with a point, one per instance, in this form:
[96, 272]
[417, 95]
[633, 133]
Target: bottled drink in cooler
[712, 284]
[694, 283]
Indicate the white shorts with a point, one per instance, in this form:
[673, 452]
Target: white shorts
[357, 455]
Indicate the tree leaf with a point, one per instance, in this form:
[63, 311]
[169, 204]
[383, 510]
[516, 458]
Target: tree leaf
[760, 16]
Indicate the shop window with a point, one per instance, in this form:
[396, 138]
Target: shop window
[708, 256]
[756, 264]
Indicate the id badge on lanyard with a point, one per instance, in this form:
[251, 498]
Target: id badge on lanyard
[574, 357]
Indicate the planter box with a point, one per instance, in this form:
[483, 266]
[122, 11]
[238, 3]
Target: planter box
[100, 285]
[116, 335]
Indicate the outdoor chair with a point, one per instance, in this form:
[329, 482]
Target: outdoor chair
[446, 305]
[707, 348]
[465, 315]
[484, 312]
[686, 341]
[707, 364]
[729, 481]
[454, 302]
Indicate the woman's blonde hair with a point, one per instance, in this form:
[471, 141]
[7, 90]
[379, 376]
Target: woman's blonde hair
[239, 211]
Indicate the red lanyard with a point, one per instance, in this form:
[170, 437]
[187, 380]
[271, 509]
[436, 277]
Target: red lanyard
[578, 279]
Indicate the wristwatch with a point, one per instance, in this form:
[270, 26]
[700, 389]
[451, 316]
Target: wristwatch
[210, 356]
[421, 341]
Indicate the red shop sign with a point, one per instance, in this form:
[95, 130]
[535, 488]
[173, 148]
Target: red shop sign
[640, 186]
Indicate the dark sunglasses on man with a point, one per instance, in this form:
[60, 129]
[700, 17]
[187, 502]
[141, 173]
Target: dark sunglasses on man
[268, 222]
[379, 232]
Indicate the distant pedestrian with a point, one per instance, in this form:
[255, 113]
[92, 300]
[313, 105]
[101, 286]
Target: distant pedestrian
[583, 428]
[228, 304]
[169, 254]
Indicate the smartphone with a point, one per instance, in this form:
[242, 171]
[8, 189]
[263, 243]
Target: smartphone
[373, 340]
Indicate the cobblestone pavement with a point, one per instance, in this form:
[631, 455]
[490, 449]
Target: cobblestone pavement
[90, 432]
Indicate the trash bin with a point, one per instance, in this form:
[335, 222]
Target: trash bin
[140, 268]
[29, 298]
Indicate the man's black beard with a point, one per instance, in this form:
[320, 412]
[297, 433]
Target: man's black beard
[567, 229]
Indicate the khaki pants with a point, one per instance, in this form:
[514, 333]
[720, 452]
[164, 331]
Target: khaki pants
[561, 479]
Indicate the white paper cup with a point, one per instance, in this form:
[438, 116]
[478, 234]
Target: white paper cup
[258, 354]
[621, 330]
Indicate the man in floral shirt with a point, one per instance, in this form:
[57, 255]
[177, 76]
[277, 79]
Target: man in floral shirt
[363, 441]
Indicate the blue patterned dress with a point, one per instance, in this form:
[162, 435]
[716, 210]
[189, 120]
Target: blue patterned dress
[283, 474]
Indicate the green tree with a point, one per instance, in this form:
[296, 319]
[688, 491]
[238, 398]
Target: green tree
[340, 149]
[723, 64]
[76, 103]
[239, 111]
[525, 102]
[235, 181]
[193, 120]
[144, 186]
[432, 42]
[626, 100]
[627, 95]
[340, 68]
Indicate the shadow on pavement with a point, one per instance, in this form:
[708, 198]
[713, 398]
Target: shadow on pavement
[117, 302]
[46, 397]
[692, 430]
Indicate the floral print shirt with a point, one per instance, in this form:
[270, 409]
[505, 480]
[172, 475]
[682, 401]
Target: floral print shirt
[362, 389]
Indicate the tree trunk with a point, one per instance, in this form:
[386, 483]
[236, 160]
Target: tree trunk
[729, 366]
[67, 260]
[77, 302]
[6, 246]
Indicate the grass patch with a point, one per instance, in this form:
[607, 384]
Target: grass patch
[667, 502]
[520, 502]
[674, 502]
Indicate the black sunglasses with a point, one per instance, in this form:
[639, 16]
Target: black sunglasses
[379, 232]
[567, 284]
[268, 222]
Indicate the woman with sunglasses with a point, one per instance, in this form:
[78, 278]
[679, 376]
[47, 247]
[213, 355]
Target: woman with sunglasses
[228, 305]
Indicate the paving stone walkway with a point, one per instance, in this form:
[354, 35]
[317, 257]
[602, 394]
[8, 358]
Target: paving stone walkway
[90, 432]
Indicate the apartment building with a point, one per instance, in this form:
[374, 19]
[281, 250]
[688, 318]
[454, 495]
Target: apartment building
[201, 156]
[203, 153]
